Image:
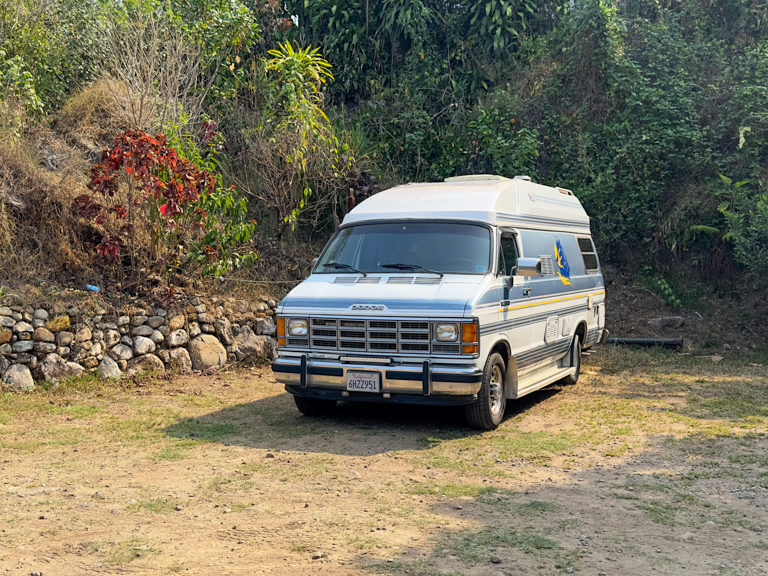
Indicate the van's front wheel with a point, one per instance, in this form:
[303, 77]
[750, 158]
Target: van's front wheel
[488, 411]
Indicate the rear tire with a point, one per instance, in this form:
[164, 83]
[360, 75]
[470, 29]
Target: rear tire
[314, 406]
[488, 411]
[575, 356]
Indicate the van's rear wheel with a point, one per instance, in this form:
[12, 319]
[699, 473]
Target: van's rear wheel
[488, 411]
[314, 406]
[575, 355]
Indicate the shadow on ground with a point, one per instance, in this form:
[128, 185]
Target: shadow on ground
[275, 423]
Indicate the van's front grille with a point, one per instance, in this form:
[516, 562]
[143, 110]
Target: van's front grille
[383, 336]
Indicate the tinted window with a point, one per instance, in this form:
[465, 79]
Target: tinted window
[447, 247]
[588, 254]
[507, 254]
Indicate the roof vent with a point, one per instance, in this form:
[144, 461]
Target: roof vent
[523, 177]
[475, 178]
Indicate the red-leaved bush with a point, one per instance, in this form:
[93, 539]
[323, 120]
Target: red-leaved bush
[145, 197]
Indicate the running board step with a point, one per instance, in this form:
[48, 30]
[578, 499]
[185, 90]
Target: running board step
[537, 379]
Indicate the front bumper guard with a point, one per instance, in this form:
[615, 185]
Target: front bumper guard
[409, 383]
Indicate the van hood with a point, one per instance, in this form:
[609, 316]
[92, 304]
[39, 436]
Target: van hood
[383, 294]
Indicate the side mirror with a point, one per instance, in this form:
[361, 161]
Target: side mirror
[527, 267]
[509, 281]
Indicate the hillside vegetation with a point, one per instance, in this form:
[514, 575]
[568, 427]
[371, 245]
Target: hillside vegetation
[284, 115]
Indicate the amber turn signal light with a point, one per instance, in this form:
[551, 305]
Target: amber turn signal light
[469, 349]
[469, 332]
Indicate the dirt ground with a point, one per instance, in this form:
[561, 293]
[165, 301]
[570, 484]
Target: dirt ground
[652, 463]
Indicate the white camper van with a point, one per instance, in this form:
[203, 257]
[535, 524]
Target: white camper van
[472, 291]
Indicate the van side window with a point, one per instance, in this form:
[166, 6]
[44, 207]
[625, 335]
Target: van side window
[588, 254]
[507, 253]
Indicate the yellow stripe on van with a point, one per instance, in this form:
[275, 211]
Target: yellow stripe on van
[551, 301]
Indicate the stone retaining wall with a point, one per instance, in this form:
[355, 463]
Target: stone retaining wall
[51, 342]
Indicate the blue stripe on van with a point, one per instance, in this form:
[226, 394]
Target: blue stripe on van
[523, 320]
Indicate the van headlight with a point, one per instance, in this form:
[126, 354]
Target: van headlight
[446, 332]
[297, 327]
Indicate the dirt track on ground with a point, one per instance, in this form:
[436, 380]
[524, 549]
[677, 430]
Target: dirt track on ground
[644, 467]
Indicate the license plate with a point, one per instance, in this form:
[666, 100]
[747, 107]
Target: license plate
[363, 381]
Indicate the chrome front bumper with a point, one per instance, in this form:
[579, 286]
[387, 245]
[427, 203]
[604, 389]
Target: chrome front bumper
[303, 375]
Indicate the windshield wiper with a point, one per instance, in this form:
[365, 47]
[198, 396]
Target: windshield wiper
[342, 266]
[414, 267]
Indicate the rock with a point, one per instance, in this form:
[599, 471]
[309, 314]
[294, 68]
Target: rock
[87, 345]
[23, 346]
[177, 322]
[123, 320]
[667, 322]
[7, 322]
[271, 303]
[96, 349]
[127, 340]
[160, 312]
[261, 307]
[249, 347]
[90, 362]
[194, 329]
[146, 363]
[40, 314]
[98, 335]
[58, 323]
[63, 351]
[123, 364]
[164, 356]
[138, 320]
[6, 335]
[194, 300]
[6, 350]
[122, 352]
[5, 311]
[180, 360]
[201, 309]
[266, 326]
[142, 345]
[111, 337]
[205, 318]
[22, 326]
[224, 331]
[18, 376]
[54, 368]
[43, 335]
[164, 330]
[83, 335]
[206, 351]
[108, 369]
[37, 323]
[208, 329]
[495, 560]
[64, 338]
[143, 330]
[156, 336]
[177, 338]
[155, 321]
[45, 347]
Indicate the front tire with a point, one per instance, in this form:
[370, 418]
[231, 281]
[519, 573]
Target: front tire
[314, 406]
[575, 356]
[488, 411]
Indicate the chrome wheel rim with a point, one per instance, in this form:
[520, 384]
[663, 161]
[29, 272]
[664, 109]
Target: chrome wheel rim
[495, 390]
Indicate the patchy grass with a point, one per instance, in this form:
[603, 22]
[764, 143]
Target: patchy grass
[120, 553]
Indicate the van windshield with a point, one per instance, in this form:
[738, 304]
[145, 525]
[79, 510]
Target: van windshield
[421, 247]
